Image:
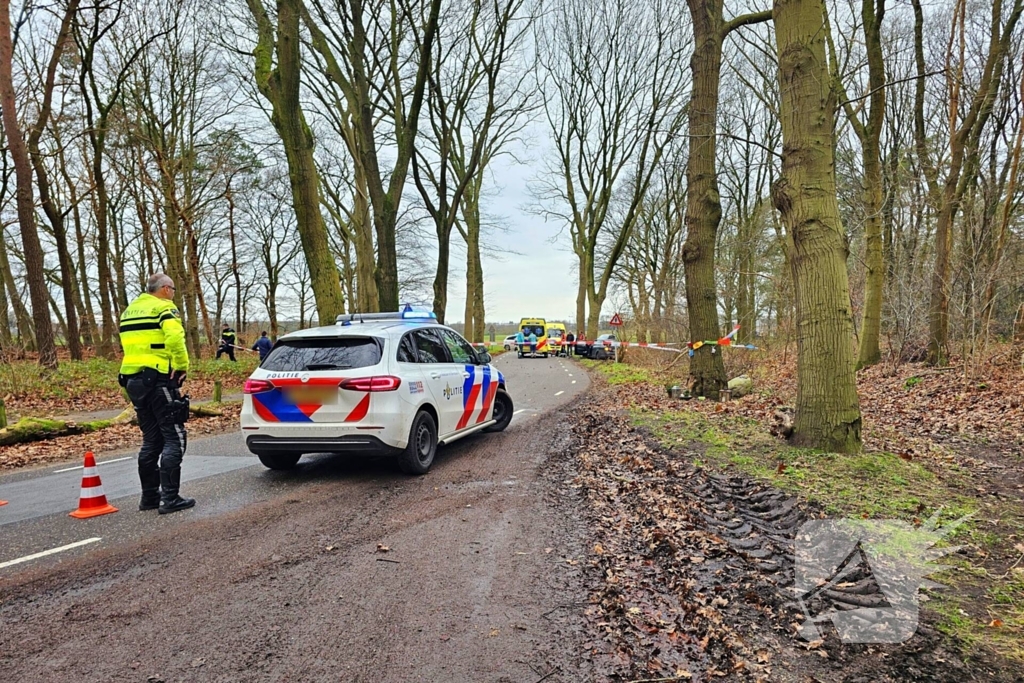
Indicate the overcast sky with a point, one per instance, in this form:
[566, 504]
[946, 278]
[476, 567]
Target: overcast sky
[528, 268]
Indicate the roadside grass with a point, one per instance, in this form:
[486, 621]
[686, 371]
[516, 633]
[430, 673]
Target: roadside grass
[31, 390]
[981, 606]
[619, 373]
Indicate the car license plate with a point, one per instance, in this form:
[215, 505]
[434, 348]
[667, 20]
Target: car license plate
[312, 395]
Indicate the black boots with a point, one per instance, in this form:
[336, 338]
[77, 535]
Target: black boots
[150, 489]
[170, 501]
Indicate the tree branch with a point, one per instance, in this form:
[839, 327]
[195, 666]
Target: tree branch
[745, 20]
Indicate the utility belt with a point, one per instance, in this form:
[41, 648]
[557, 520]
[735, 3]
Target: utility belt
[178, 409]
[149, 376]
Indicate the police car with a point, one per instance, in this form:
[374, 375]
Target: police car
[393, 383]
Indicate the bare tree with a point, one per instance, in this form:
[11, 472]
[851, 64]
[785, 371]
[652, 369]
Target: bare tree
[472, 113]
[280, 85]
[966, 128]
[703, 206]
[34, 261]
[616, 89]
[371, 64]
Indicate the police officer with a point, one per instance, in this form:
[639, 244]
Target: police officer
[153, 370]
[227, 343]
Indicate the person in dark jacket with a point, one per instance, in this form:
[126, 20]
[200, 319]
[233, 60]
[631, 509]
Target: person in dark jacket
[263, 345]
[227, 343]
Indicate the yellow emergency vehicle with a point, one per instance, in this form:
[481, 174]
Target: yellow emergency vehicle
[539, 327]
[556, 335]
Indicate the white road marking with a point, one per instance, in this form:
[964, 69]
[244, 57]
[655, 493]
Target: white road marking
[78, 467]
[560, 393]
[574, 381]
[570, 374]
[518, 411]
[51, 551]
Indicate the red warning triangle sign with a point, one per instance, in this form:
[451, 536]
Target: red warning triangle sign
[615, 321]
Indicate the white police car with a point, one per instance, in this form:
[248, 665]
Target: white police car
[397, 383]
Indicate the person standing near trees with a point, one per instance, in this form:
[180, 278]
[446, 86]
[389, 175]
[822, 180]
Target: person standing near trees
[227, 343]
[152, 372]
[263, 345]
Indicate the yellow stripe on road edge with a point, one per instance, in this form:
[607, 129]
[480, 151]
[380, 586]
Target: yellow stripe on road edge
[51, 551]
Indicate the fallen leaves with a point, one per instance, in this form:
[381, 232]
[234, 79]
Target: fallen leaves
[118, 437]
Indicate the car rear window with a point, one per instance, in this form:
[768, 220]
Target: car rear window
[331, 353]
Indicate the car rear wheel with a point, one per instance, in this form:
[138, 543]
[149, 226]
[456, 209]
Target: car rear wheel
[419, 453]
[507, 347]
[279, 461]
[502, 414]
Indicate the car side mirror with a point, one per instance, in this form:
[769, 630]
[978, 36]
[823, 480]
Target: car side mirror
[483, 357]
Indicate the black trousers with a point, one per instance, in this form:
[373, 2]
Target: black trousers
[230, 350]
[164, 439]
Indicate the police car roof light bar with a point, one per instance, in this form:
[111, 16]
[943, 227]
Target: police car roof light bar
[407, 313]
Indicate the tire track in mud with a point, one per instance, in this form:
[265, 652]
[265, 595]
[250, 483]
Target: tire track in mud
[715, 597]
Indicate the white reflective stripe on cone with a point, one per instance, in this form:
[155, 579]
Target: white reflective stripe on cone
[92, 492]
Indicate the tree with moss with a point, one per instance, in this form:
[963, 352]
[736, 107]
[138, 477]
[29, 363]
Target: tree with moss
[827, 408]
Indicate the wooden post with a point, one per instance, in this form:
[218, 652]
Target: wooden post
[3, 415]
[217, 391]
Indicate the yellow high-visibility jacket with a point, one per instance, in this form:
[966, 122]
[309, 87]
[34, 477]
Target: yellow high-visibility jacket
[152, 336]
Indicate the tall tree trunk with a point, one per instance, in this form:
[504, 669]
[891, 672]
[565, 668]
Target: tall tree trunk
[83, 302]
[581, 295]
[965, 132]
[280, 86]
[470, 231]
[105, 348]
[33, 251]
[703, 203]
[21, 316]
[67, 274]
[870, 138]
[827, 410]
[192, 252]
[235, 271]
[362, 228]
[5, 322]
[703, 206]
[177, 268]
[53, 214]
[474, 287]
[118, 280]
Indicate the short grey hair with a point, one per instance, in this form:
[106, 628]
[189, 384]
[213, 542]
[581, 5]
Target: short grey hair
[157, 281]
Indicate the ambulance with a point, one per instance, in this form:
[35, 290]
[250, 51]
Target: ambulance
[539, 327]
[556, 335]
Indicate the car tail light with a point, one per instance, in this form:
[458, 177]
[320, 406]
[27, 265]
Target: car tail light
[257, 386]
[378, 383]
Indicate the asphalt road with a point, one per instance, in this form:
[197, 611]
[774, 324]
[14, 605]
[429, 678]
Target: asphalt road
[342, 570]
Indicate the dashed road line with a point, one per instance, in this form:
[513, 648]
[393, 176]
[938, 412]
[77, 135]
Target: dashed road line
[51, 551]
[560, 393]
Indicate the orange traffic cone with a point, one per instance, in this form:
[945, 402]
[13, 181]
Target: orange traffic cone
[3, 502]
[93, 502]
